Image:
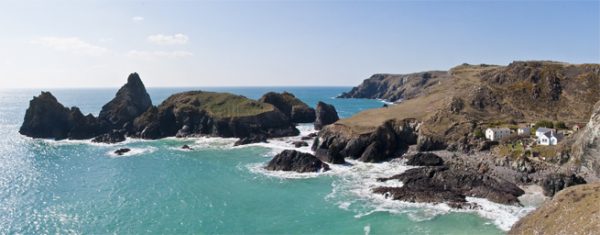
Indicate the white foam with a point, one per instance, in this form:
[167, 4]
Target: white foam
[279, 144]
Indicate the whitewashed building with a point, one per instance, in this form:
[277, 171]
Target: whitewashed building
[541, 131]
[495, 134]
[550, 138]
[524, 131]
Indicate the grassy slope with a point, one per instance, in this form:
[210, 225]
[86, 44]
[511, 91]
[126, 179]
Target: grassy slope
[218, 104]
[574, 210]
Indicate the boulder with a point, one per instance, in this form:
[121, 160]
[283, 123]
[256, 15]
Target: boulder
[292, 107]
[291, 160]
[326, 114]
[130, 102]
[424, 159]
[429, 143]
[186, 147]
[47, 118]
[299, 144]
[251, 140]
[122, 151]
[556, 182]
[111, 137]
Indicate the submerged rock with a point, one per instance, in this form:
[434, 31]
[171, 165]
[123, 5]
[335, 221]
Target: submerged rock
[291, 160]
[292, 107]
[130, 102]
[299, 144]
[251, 140]
[186, 147]
[122, 151]
[326, 114]
[424, 159]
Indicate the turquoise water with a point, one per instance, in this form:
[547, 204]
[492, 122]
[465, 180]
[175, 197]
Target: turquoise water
[77, 187]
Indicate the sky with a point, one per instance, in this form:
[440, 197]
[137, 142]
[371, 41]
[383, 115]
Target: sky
[69, 44]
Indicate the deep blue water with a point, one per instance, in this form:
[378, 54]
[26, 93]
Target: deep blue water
[80, 188]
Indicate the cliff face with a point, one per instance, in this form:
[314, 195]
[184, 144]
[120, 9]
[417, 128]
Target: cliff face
[574, 210]
[199, 113]
[586, 149]
[292, 107]
[394, 87]
[130, 102]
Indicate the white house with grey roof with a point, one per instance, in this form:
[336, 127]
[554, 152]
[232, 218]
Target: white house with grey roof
[495, 134]
[549, 138]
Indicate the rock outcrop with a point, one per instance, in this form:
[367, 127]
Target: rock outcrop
[395, 87]
[586, 149]
[574, 210]
[130, 102]
[111, 137]
[450, 183]
[389, 140]
[291, 160]
[47, 118]
[556, 182]
[199, 113]
[424, 159]
[326, 114]
[292, 107]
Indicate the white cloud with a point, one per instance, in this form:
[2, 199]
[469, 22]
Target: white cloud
[71, 44]
[151, 55]
[168, 39]
[137, 19]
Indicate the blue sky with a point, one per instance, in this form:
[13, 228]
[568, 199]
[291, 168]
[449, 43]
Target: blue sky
[46, 44]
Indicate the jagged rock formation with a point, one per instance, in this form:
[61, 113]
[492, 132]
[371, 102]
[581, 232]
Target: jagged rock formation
[571, 211]
[395, 87]
[450, 183]
[291, 160]
[130, 102]
[292, 107]
[111, 137]
[326, 114]
[47, 118]
[390, 140]
[199, 113]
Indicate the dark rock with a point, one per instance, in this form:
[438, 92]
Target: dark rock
[299, 144]
[130, 102]
[122, 151]
[522, 164]
[452, 183]
[292, 107]
[393, 87]
[251, 140]
[326, 114]
[47, 118]
[424, 159]
[556, 182]
[291, 160]
[111, 137]
[428, 143]
[436, 195]
[186, 147]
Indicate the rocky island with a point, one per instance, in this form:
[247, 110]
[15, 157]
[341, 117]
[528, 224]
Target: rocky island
[187, 114]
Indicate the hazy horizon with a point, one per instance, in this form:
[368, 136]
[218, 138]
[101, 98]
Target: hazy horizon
[96, 44]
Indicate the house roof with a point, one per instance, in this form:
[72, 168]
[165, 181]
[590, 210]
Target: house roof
[544, 130]
[499, 129]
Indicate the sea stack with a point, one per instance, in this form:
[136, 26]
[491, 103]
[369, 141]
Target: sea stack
[130, 102]
[292, 107]
[326, 114]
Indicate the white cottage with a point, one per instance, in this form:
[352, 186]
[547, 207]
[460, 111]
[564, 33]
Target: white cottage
[523, 131]
[550, 138]
[495, 134]
[542, 130]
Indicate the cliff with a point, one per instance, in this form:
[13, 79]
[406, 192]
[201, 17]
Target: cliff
[296, 110]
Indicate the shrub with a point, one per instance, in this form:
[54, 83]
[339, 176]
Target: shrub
[560, 125]
[478, 133]
[544, 123]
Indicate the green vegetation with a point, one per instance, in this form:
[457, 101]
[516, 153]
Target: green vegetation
[560, 125]
[478, 133]
[544, 123]
[547, 152]
[218, 104]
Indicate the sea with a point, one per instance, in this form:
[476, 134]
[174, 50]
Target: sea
[78, 187]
